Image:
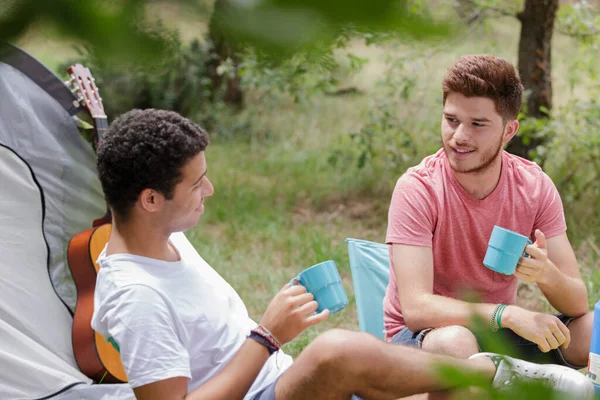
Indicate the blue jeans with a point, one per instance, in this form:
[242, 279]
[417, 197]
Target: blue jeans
[520, 348]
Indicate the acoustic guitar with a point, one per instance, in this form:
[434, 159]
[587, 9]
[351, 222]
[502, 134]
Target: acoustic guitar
[97, 358]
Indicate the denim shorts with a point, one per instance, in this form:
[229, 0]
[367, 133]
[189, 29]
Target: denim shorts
[520, 348]
[268, 392]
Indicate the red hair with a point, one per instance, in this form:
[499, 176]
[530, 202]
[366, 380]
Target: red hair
[488, 76]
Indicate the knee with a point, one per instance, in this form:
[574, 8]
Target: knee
[334, 347]
[587, 320]
[582, 327]
[456, 341]
[581, 337]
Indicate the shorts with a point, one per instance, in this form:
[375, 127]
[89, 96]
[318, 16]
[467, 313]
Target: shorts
[520, 347]
[268, 392]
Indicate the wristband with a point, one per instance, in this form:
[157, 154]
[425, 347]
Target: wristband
[257, 337]
[493, 326]
[262, 335]
[499, 316]
[265, 332]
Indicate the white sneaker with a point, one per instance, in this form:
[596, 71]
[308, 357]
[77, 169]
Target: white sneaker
[562, 379]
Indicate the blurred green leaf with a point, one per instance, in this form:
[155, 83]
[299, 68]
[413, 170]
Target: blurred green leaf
[283, 27]
[122, 31]
[458, 378]
[114, 30]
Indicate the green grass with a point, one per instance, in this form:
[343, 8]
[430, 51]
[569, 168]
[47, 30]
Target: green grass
[280, 207]
[274, 214]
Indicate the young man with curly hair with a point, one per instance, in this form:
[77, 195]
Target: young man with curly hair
[442, 214]
[183, 331]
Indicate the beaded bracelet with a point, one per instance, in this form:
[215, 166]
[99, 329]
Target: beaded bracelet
[493, 326]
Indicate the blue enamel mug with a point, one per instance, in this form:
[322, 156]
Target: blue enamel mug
[323, 281]
[505, 248]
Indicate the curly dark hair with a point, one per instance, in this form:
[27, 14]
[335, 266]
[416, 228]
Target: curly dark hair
[145, 149]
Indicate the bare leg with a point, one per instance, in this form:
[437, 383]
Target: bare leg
[456, 341]
[581, 335]
[341, 363]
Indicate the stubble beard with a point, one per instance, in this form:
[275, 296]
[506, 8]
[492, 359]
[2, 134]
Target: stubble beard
[488, 160]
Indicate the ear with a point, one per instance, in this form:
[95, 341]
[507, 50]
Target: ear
[510, 130]
[150, 200]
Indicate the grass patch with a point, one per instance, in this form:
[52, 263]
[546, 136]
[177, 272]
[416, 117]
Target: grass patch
[280, 206]
[275, 215]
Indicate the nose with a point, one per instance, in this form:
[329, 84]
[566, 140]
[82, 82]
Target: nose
[208, 187]
[461, 135]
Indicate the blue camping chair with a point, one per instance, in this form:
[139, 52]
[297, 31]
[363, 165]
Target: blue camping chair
[370, 266]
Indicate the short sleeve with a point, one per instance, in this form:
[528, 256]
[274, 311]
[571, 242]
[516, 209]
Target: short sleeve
[550, 217]
[412, 213]
[139, 320]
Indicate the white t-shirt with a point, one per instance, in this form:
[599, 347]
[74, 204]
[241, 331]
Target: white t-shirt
[173, 318]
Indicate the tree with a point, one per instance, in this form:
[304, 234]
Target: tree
[535, 66]
[538, 22]
[535, 53]
[223, 50]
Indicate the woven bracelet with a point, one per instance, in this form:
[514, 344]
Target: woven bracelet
[257, 337]
[493, 326]
[268, 334]
[499, 316]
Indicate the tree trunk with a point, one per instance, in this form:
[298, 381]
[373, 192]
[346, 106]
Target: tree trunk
[468, 10]
[220, 52]
[535, 60]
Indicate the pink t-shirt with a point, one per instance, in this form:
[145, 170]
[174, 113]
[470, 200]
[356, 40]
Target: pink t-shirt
[430, 208]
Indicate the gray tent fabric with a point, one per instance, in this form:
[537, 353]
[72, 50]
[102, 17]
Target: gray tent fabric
[41, 76]
[49, 191]
[46, 137]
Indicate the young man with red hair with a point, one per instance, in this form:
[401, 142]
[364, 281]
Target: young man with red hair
[442, 214]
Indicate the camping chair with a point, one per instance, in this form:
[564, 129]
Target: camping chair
[369, 263]
[49, 191]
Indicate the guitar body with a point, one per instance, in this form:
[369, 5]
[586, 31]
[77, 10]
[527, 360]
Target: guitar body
[96, 358]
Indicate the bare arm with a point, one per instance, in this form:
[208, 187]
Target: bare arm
[559, 277]
[553, 265]
[233, 382]
[422, 309]
[289, 313]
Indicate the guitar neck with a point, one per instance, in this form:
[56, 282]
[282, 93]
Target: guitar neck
[83, 85]
[101, 126]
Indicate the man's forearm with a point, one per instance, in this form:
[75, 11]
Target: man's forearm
[568, 295]
[234, 381]
[433, 311]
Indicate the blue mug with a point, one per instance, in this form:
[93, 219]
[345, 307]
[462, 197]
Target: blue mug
[505, 248]
[324, 282]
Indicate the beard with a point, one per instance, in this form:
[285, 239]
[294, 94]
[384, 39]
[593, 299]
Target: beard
[488, 159]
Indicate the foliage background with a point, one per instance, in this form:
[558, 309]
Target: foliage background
[326, 129]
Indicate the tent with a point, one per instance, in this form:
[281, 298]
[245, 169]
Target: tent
[49, 191]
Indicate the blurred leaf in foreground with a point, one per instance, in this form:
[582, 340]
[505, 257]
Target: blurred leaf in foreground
[122, 30]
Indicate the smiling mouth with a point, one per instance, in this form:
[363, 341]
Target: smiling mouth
[462, 151]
